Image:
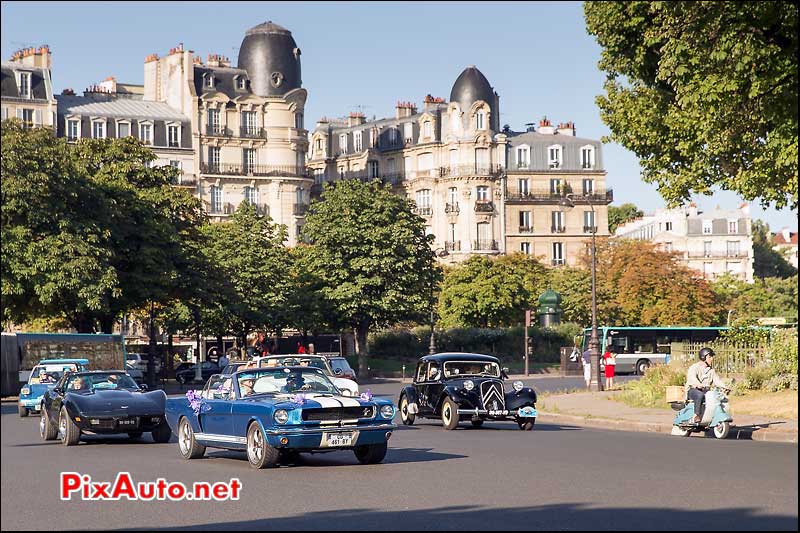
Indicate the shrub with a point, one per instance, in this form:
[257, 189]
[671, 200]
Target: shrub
[650, 389]
[783, 351]
[781, 382]
[755, 377]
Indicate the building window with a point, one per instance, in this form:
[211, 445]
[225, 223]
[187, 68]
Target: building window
[554, 156]
[733, 249]
[248, 160]
[216, 199]
[482, 193]
[318, 146]
[123, 129]
[373, 169]
[707, 227]
[390, 166]
[525, 248]
[555, 186]
[707, 248]
[480, 120]
[394, 137]
[248, 123]
[482, 160]
[426, 128]
[213, 121]
[209, 81]
[454, 121]
[587, 157]
[557, 219]
[588, 222]
[241, 83]
[452, 195]
[319, 175]
[484, 236]
[173, 136]
[424, 201]
[73, 129]
[357, 146]
[425, 161]
[24, 85]
[524, 220]
[733, 226]
[251, 195]
[558, 253]
[26, 116]
[588, 186]
[407, 165]
[146, 133]
[523, 157]
[213, 158]
[299, 196]
[451, 232]
[668, 247]
[668, 226]
[408, 132]
[343, 143]
[98, 130]
[174, 163]
[523, 187]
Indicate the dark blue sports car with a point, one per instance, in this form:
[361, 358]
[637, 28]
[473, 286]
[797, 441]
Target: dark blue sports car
[102, 402]
[275, 412]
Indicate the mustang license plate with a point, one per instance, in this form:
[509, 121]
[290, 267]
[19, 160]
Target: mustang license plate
[526, 412]
[333, 440]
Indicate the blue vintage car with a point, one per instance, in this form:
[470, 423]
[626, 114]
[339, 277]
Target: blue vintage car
[278, 412]
[42, 379]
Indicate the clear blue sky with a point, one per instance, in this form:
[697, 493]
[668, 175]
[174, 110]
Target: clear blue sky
[537, 56]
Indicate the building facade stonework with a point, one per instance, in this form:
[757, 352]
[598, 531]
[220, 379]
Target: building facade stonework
[26, 88]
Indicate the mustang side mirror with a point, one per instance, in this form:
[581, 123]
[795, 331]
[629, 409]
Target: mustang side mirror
[143, 386]
[338, 371]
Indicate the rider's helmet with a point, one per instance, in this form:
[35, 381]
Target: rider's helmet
[705, 352]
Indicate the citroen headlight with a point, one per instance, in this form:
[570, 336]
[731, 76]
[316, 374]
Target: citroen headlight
[25, 391]
[469, 385]
[281, 416]
[387, 411]
[518, 386]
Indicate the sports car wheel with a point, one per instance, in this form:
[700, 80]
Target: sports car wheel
[47, 429]
[23, 411]
[259, 452]
[526, 424]
[135, 434]
[162, 433]
[405, 416]
[722, 429]
[477, 423]
[449, 414]
[70, 433]
[190, 448]
[370, 454]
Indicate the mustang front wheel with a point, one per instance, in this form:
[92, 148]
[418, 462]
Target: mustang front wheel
[449, 414]
[190, 448]
[405, 416]
[69, 432]
[370, 454]
[47, 429]
[259, 452]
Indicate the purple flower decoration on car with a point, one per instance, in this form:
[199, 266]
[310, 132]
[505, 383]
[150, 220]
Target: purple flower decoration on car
[299, 399]
[197, 402]
[366, 396]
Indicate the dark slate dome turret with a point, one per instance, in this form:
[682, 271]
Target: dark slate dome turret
[472, 86]
[272, 60]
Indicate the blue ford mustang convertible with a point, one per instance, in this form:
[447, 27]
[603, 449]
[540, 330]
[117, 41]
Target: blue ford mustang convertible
[277, 412]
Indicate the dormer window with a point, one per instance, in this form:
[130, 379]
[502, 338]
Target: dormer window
[523, 156]
[357, 141]
[587, 157]
[24, 84]
[343, 143]
[480, 120]
[394, 138]
[554, 156]
[241, 83]
[208, 80]
[426, 128]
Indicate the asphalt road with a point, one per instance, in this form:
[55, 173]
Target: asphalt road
[497, 477]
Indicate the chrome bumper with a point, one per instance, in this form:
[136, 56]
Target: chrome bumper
[289, 431]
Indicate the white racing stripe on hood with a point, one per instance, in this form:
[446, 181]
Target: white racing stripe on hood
[325, 401]
[349, 402]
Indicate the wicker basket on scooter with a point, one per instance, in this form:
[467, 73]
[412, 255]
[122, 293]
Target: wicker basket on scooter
[675, 394]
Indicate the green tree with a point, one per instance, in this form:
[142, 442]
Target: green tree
[618, 216]
[766, 297]
[372, 255]
[768, 262]
[705, 93]
[575, 287]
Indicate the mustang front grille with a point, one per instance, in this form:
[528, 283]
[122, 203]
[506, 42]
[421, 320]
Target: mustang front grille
[492, 395]
[335, 414]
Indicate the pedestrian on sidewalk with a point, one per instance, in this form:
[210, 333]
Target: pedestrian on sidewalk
[587, 367]
[610, 362]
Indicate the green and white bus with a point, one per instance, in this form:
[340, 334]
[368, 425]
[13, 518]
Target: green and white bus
[638, 348]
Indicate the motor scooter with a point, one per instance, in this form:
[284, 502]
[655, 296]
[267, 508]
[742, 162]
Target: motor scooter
[715, 415]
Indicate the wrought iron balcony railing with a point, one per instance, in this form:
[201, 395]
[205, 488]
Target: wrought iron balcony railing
[452, 208]
[484, 245]
[452, 246]
[596, 197]
[217, 130]
[558, 229]
[484, 206]
[234, 169]
[253, 133]
[590, 229]
[526, 229]
[423, 211]
[300, 209]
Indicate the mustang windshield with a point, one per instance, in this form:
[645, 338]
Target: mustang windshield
[105, 380]
[314, 362]
[284, 381]
[454, 369]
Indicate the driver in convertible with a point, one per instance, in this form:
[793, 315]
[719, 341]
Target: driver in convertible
[295, 382]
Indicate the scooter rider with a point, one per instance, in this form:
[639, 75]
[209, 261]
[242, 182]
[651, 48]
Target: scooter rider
[699, 378]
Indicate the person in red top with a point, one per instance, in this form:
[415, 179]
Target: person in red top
[610, 363]
[301, 348]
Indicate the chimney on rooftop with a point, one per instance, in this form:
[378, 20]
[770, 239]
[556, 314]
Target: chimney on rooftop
[566, 128]
[33, 57]
[404, 109]
[218, 60]
[546, 127]
[356, 118]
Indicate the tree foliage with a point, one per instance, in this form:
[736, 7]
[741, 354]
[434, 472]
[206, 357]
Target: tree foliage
[618, 216]
[768, 262]
[766, 297]
[705, 93]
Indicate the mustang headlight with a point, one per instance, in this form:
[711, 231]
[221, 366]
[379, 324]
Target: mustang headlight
[25, 391]
[518, 386]
[469, 385]
[387, 411]
[281, 416]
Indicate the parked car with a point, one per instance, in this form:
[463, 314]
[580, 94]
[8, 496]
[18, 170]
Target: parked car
[465, 386]
[347, 386]
[275, 412]
[102, 402]
[341, 368]
[207, 369]
[139, 361]
[44, 377]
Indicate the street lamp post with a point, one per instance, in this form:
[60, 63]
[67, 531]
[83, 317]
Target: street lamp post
[440, 252]
[595, 384]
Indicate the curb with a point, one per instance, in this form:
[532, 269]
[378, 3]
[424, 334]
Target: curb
[738, 433]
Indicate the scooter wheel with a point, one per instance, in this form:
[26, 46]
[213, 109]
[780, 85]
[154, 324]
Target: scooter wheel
[680, 432]
[722, 429]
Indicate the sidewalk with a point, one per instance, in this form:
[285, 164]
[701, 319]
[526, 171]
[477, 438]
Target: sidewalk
[599, 410]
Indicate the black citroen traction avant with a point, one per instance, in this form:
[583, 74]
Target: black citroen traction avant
[102, 402]
[465, 386]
